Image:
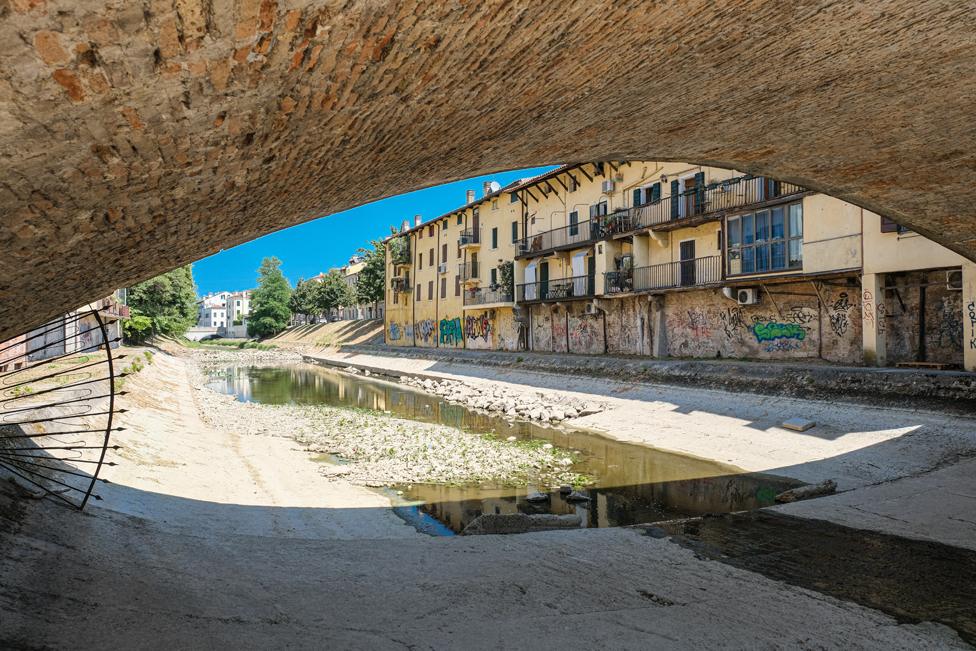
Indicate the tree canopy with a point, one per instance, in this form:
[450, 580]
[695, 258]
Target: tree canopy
[270, 311]
[371, 286]
[164, 305]
[334, 292]
[304, 300]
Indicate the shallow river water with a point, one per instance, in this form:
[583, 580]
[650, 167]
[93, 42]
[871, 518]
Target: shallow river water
[633, 483]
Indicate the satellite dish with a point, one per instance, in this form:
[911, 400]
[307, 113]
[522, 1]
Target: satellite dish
[495, 187]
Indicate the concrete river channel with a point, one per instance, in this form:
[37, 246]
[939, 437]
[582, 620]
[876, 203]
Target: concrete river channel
[912, 580]
[633, 484]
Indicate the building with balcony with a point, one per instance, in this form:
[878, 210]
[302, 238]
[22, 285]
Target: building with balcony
[679, 260]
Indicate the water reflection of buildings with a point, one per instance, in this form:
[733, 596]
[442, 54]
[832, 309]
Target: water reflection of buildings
[635, 484]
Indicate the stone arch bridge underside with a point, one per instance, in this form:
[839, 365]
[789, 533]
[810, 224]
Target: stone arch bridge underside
[137, 136]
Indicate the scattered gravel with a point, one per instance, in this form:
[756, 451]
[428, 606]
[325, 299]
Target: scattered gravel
[381, 449]
[535, 406]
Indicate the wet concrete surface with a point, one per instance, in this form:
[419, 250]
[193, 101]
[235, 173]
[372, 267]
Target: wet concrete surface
[911, 580]
[631, 484]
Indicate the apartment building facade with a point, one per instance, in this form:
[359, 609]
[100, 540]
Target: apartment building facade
[680, 260]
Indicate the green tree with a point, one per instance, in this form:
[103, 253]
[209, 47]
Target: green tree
[304, 300]
[164, 305]
[371, 285]
[334, 292]
[269, 302]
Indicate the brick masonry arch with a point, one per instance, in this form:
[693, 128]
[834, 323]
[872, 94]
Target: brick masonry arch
[135, 137]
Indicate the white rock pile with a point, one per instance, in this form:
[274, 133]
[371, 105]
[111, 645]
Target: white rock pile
[526, 405]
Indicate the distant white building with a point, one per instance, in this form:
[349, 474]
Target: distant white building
[212, 310]
[350, 274]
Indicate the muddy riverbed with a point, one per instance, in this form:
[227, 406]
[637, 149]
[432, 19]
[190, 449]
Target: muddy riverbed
[627, 484]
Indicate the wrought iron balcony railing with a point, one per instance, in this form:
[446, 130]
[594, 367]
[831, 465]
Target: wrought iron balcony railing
[487, 295]
[684, 273]
[713, 199]
[400, 284]
[469, 237]
[556, 289]
[578, 234]
[468, 271]
[618, 282]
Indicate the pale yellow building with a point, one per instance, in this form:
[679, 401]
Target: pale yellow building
[672, 259]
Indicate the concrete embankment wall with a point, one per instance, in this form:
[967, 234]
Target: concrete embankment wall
[325, 335]
[950, 391]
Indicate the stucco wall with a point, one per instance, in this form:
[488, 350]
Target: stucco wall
[706, 324]
[628, 326]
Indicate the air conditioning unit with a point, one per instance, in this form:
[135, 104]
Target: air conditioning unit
[748, 296]
[442, 268]
[606, 186]
[954, 280]
[591, 308]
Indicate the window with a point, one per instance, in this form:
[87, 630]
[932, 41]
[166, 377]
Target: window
[514, 231]
[494, 238]
[494, 203]
[573, 183]
[648, 194]
[574, 223]
[494, 276]
[430, 231]
[460, 218]
[420, 234]
[444, 225]
[457, 285]
[513, 197]
[459, 250]
[418, 291]
[890, 226]
[430, 290]
[420, 260]
[443, 287]
[443, 252]
[430, 256]
[598, 168]
[598, 209]
[767, 240]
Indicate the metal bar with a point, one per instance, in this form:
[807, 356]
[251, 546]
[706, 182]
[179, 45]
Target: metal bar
[41, 486]
[47, 419]
[58, 404]
[54, 359]
[41, 434]
[55, 468]
[47, 377]
[59, 388]
[71, 459]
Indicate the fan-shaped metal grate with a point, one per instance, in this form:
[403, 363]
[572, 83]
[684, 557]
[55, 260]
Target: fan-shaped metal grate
[58, 391]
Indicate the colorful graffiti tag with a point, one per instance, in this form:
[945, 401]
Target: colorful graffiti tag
[425, 330]
[396, 332]
[450, 331]
[477, 326]
[771, 331]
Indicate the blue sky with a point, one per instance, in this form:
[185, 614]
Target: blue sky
[315, 246]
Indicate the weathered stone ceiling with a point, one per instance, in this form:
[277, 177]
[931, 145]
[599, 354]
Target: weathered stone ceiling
[136, 136]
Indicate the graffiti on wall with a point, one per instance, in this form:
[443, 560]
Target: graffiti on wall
[425, 330]
[950, 324]
[782, 346]
[450, 331]
[698, 323]
[773, 330]
[971, 308]
[583, 335]
[873, 312]
[732, 322]
[396, 332]
[476, 327]
[838, 314]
